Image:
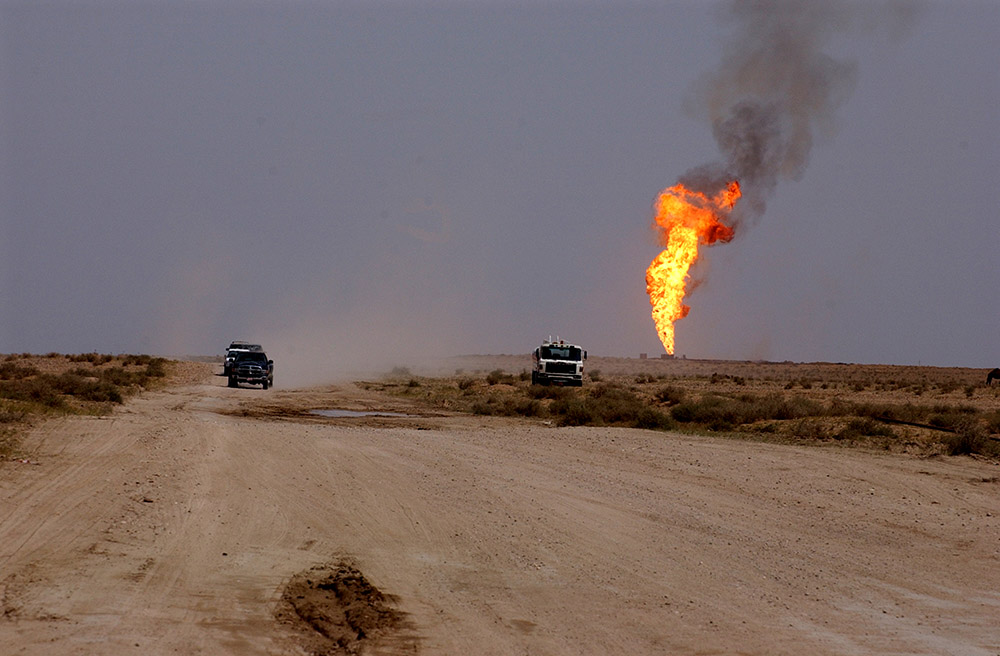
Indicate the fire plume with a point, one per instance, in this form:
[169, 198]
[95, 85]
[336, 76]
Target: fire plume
[684, 220]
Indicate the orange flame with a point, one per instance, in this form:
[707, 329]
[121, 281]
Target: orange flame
[684, 219]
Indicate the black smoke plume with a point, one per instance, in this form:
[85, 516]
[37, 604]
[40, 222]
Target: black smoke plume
[777, 88]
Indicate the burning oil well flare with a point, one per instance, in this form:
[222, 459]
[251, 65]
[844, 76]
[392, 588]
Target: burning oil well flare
[685, 219]
[775, 91]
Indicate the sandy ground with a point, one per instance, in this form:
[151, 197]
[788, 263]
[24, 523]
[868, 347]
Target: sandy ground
[172, 527]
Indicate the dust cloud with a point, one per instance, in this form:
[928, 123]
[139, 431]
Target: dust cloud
[328, 347]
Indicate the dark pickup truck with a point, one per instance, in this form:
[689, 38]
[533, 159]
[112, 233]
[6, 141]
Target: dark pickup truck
[251, 367]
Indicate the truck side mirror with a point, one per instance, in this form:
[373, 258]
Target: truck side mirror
[584, 355]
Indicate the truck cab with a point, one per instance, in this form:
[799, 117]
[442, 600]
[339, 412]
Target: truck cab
[557, 363]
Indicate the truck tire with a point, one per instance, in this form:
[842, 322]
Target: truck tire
[264, 385]
[232, 382]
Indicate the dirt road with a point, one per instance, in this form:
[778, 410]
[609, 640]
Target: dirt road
[172, 527]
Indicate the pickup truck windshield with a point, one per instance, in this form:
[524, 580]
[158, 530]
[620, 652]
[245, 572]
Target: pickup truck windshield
[570, 353]
[252, 357]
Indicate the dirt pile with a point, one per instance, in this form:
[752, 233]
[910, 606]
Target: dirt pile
[337, 610]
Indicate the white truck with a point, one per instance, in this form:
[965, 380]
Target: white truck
[558, 363]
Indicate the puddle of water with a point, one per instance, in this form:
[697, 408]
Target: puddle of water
[356, 413]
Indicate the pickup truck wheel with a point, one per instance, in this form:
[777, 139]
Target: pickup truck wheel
[263, 385]
[232, 382]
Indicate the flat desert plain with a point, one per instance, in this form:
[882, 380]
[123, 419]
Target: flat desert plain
[175, 525]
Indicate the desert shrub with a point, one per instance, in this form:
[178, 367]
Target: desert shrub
[11, 371]
[863, 426]
[608, 405]
[809, 428]
[642, 379]
[595, 375]
[466, 383]
[614, 405]
[73, 384]
[523, 407]
[945, 420]
[653, 419]
[156, 368]
[496, 376]
[413, 382]
[893, 412]
[799, 406]
[115, 375]
[970, 437]
[722, 413]
[92, 358]
[715, 412]
[548, 392]
[49, 389]
[992, 421]
[481, 408]
[670, 394]
[524, 375]
[957, 409]
[9, 415]
[573, 411]
[39, 390]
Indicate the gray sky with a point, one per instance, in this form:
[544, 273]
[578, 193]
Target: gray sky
[341, 180]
